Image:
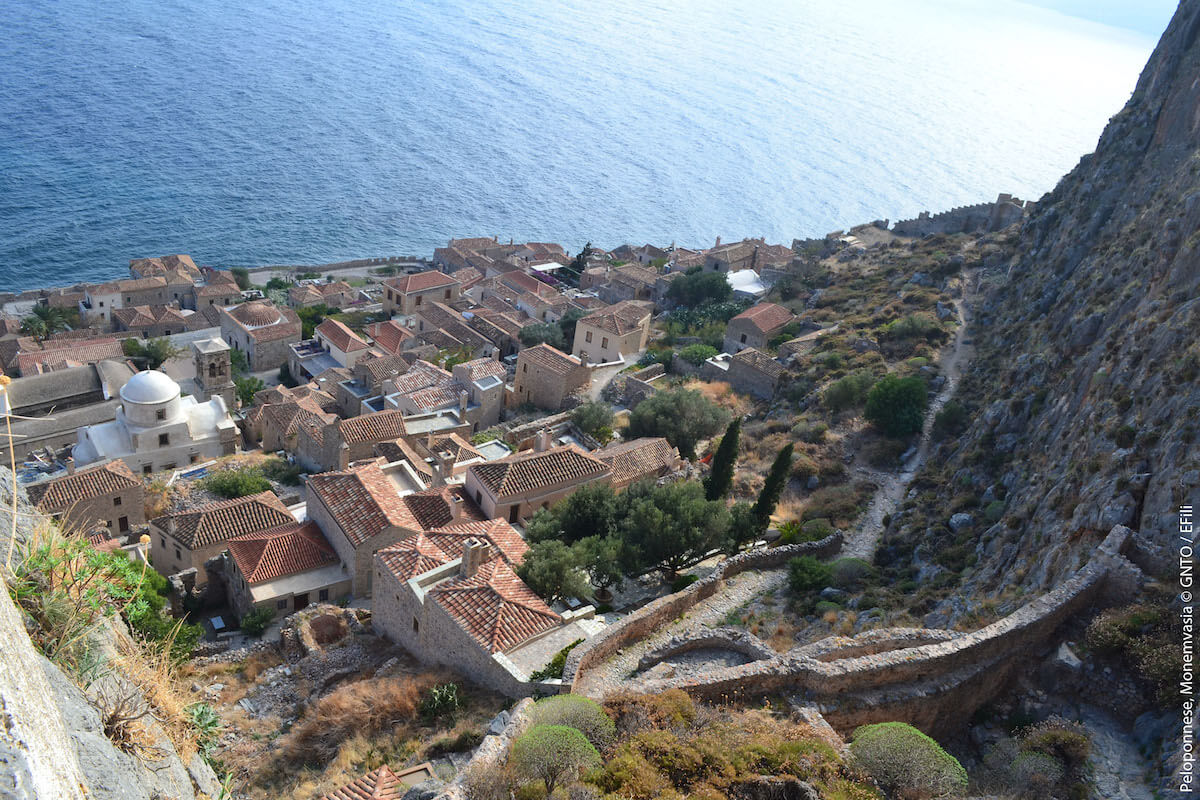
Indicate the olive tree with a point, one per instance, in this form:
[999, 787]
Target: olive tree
[552, 754]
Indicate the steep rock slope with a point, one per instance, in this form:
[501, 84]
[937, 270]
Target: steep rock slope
[1084, 392]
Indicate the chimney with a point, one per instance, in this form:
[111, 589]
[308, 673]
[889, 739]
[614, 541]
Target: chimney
[171, 525]
[70, 464]
[718, 244]
[541, 442]
[429, 441]
[439, 478]
[445, 459]
[474, 553]
[456, 508]
[463, 397]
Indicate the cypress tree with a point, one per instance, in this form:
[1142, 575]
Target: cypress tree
[777, 478]
[720, 476]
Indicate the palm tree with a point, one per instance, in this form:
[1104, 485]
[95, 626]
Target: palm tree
[36, 327]
[45, 321]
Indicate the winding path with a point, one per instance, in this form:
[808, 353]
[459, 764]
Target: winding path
[861, 542]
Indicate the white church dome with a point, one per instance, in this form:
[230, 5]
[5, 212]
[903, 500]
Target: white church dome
[149, 387]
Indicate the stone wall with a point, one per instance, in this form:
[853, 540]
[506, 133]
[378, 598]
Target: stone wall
[933, 685]
[734, 639]
[966, 219]
[654, 615]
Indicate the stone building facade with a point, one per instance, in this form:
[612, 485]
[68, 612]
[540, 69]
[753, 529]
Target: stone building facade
[214, 372]
[612, 333]
[546, 377]
[408, 293]
[106, 494]
[514, 488]
[262, 331]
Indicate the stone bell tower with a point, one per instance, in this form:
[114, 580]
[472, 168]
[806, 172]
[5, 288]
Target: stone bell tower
[214, 372]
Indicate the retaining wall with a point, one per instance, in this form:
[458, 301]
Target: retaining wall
[653, 615]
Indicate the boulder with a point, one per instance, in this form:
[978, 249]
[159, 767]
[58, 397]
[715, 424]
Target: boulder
[960, 520]
[425, 790]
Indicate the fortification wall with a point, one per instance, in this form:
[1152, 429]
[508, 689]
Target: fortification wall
[653, 615]
[966, 219]
[936, 681]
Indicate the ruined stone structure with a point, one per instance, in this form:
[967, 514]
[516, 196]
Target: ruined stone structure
[981, 217]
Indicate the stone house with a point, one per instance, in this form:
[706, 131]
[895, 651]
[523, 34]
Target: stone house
[361, 511]
[756, 326]
[161, 265]
[609, 334]
[514, 488]
[546, 377]
[333, 345]
[475, 388]
[262, 331]
[149, 321]
[389, 336]
[501, 329]
[98, 302]
[407, 293]
[457, 335]
[629, 282]
[639, 459]
[451, 597]
[436, 458]
[277, 425]
[189, 538]
[221, 294]
[283, 569]
[750, 372]
[107, 494]
[323, 446]
[753, 254]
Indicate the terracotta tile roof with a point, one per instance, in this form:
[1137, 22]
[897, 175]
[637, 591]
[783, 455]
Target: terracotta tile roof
[764, 317]
[495, 607]
[145, 316]
[207, 317]
[305, 294]
[220, 521]
[363, 501]
[63, 492]
[760, 361]
[380, 784]
[431, 507]
[549, 358]
[481, 368]
[417, 453]
[504, 538]
[412, 556]
[76, 353]
[521, 473]
[341, 336]
[374, 427]
[266, 555]
[434, 398]
[421, 281]
[218, 289]
[139, 284]
[640, 458]
[264, 321]
[422, 375]
[474, 244]
[288, 416]
[378, 368]
[621, 318]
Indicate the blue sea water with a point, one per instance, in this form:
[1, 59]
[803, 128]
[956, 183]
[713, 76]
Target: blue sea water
[308, 132]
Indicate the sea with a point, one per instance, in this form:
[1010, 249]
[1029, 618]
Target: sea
[279, 132]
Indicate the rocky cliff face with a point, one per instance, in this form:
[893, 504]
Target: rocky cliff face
[1084, 392]
[53, 741]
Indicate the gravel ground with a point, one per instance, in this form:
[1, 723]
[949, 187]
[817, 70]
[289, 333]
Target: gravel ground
[615, 674]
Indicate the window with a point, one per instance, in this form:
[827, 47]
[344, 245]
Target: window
[281, 604]
[102, 304]
[588, 338]
[416, 625]
[514, 512]
[478, 497]
[178, 555]
[743, 338]
[160, 414]
[417, 302]
[116, 501]
[210, 302]
[604, 343]
[193, 458]
[163, 539]
[164, 439]
[323, 595]
[447, 294]
[524, 368]
[147, 469]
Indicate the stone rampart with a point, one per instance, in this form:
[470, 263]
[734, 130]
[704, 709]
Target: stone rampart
[934, 681]
[965, 219]
[657, 613]
[733, 639]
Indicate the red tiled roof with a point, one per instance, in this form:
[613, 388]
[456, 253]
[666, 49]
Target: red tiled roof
[138, 284]
[495, 607]
[521, 473]
[79, 352]
[421, 281]
[431, 507]
[452, 539]
[412, 556]
[62, 492]
[220, 521]
[374, 427]
[621, 318]
[380, 784]
[389, 335]
[764, 317]
[218, 289]
[640, 458]
[266, 555]
[363, 501]
[549, 358]
[760, 361]
[341, 336]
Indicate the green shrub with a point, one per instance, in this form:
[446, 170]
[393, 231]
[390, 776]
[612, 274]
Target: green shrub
[554, 667]
[912, 326]
[839, 504]
[1124, 436]
[682, 582]
[592, 417]
[552, 754]
[885, 453]
[697, 354]
[578, 712]
[848, 392]
[904, 761]
[796, 532]
[952, 420]
[806, 574]
[441, 702]
[895, 405]
[810, 432]
[237, 482]
[850, 573]
[280, 471]
[256, 621]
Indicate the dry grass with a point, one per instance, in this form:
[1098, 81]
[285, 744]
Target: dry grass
[723, 395]
[150, 669]
[256, 663]
[783, 638]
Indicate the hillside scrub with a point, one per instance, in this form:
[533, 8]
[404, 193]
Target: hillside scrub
[906, 763]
